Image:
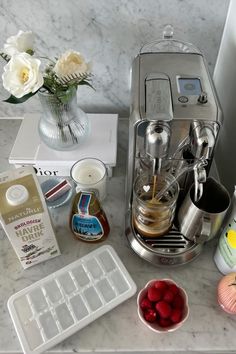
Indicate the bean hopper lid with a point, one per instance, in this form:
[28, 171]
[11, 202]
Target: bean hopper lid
[169, 45]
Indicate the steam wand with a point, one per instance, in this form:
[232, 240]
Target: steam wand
[199, 178]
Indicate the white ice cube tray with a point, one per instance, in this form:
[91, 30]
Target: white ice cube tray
[55, 307]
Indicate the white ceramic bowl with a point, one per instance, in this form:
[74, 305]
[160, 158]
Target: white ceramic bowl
[154, 326]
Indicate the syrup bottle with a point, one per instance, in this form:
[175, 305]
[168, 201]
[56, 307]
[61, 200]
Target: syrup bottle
[88, 221]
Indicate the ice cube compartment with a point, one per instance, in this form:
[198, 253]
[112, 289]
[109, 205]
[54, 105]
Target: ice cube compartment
[55, 307]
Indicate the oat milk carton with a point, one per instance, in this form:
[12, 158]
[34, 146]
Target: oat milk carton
[25, 218]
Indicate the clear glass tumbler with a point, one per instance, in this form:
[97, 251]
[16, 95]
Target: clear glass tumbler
[153, 217]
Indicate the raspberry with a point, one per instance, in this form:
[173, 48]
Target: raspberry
[150, 315]
[165, 322]
[168, 296]
[178, 302]
[174, 288]
[145, 304]
[176, 315]
[160, 284]
[154, 294]
[163, 309]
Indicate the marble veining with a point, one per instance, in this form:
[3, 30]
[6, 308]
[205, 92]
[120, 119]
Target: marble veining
[208, 328]
[109, 33]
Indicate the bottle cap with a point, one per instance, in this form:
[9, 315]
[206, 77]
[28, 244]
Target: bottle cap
[17, 194]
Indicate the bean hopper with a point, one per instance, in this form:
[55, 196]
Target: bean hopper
[174, 123]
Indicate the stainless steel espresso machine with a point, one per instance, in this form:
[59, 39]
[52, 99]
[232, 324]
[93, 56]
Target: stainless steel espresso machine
[174, 124]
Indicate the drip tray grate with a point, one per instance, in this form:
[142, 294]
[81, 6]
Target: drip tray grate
[173, 242]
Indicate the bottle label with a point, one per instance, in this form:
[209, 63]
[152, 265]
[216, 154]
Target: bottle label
[227, 244]
[84, 201]
[87, 227]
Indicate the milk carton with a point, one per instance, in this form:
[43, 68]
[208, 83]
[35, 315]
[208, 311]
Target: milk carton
[25, 218]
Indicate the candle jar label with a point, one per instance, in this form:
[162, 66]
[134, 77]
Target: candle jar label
[88, 220]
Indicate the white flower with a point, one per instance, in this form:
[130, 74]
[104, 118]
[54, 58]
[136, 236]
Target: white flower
[71, 62]
[21, 75]
[22, 42]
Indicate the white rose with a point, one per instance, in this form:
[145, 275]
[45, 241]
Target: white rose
[22, 42]
[71, 62]
[21, 75]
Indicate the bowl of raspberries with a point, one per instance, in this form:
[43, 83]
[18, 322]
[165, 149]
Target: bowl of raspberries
[163, 305]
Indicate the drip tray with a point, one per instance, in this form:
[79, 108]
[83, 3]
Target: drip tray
[174, 242]
[172, 249]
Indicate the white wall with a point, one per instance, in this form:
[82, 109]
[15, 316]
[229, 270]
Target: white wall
[110, 33]
[225, 82]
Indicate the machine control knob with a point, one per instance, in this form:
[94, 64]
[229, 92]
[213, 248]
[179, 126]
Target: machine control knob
[202, 97]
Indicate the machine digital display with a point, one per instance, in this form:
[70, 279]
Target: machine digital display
[189, 86]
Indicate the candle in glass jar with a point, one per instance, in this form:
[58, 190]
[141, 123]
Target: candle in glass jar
[90, 174]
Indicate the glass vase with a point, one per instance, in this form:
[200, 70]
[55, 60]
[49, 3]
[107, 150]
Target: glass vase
[62, 126]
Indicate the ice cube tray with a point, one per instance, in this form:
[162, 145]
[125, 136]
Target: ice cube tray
[55, 307]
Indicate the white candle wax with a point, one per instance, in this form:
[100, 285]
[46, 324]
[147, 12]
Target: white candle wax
[90, 174]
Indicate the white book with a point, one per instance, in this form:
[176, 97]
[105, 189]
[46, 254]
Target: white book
[101, 143]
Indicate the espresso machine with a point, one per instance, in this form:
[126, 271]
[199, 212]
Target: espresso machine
[175, 118]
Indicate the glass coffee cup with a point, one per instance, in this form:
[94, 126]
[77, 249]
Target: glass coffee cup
[152, 216]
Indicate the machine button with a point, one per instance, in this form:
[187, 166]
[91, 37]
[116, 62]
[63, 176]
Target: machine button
[183, 99]
[202, 97]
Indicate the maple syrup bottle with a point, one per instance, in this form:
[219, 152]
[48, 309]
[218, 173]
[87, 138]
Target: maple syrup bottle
[88, 221]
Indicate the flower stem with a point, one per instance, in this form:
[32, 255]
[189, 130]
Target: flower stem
[48, 88]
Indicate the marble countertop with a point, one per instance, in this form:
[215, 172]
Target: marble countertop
[208, 328]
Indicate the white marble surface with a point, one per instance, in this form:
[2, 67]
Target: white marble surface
[208, 328]
[110, 33]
